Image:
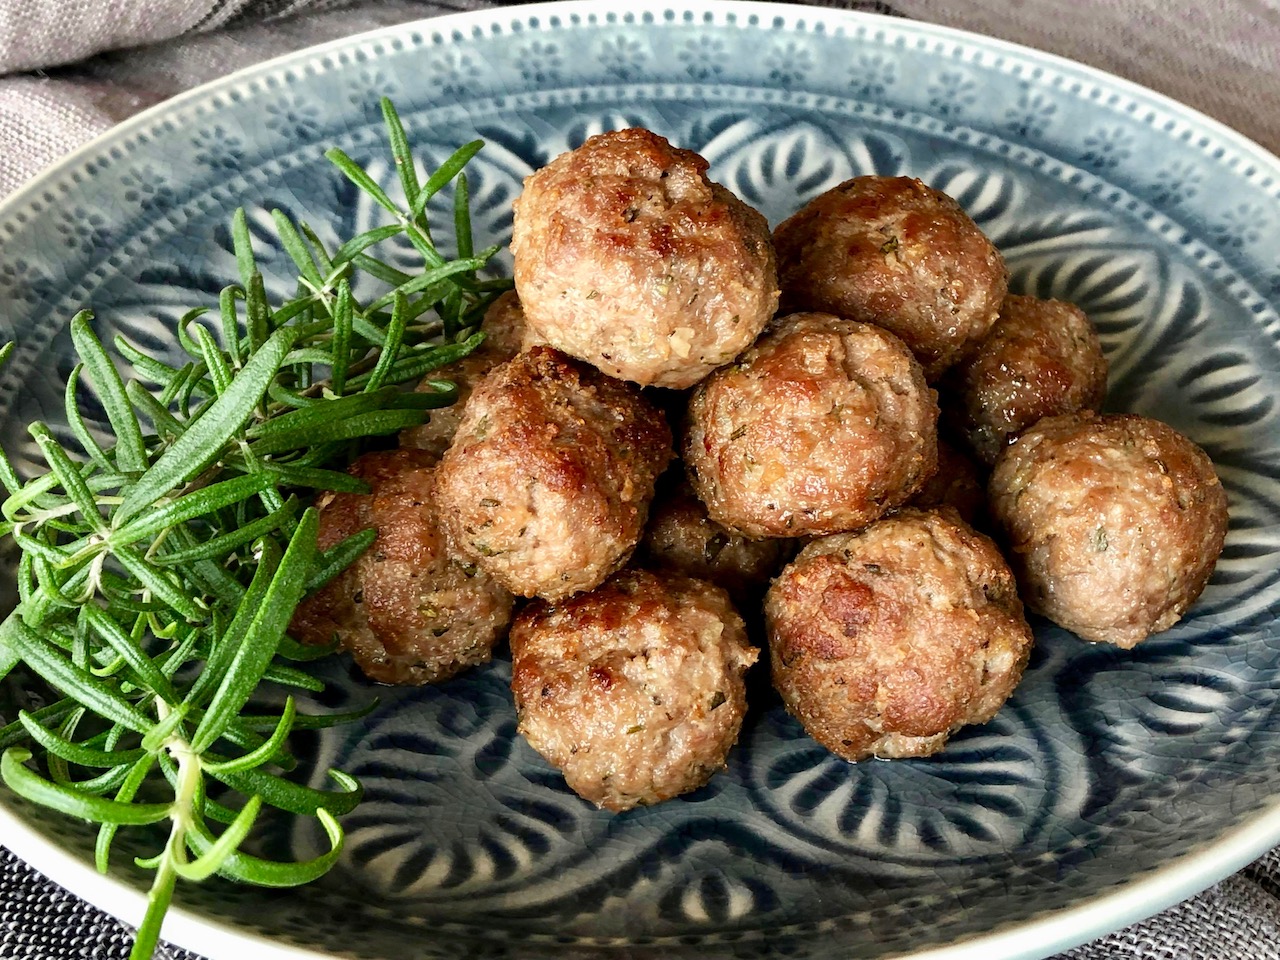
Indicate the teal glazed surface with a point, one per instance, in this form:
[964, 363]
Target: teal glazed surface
[1112, 784]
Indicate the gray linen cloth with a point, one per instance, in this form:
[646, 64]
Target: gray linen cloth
[69, 69]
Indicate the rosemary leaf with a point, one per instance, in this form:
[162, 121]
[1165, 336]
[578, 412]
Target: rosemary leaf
[25, 783]
[130, 452]
[212, 859]
[364, 241]
[445, 174]
[129, 651]
[243, 245]
[296, 247]
[124, 794]
[227, 542]
[59, 672]
[198, 503]
[205, 439]
[353, 172]
[376, 424]
[340, 556]
[341, 346]
[462, 217]
[391, 346]
[75, 420]
[295, 798]
[73, 752]
[262, 635]
[263, 753]
[270, 873]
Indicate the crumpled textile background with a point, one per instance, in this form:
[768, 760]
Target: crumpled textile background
[70, 69]
[1221, 57]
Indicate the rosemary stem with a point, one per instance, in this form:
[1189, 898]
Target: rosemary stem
[158, 898]
[189, 775]
[66, 510]
[181, 814]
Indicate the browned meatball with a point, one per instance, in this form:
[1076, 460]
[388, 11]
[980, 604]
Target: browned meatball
[680, 536]
[548, 482]
[1114, 522]
[634, 690]
[894, 252]
[1042, 358]
[628, 257]
[957, 483]
[505, 336]
[886, 641]
[408, 610]
[822, 426]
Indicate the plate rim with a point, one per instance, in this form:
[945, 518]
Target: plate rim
[1131, 900]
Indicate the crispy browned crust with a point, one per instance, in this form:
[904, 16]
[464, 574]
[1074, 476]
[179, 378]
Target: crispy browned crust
[628, 257]
[897, 253]
[822, 426]
[548, 482]
[886, 641]
[408, 610]
[634, 690]
[1041, 359]
[1114, 523]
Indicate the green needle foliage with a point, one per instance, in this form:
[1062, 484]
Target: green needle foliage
[159, 574]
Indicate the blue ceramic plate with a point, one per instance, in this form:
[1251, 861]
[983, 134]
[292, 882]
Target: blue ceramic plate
[1111, 785]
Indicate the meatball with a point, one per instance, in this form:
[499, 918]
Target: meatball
[886, 641]
[634, 690]
[408, 609]
[505, 335]
[680, 536]
[894, 252]
[1042, 358]
[1114, 523]
[548, 482]
[628, 257]
[957, 483]
[822, 426]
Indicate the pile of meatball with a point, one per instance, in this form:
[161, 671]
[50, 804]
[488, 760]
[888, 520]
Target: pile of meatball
[837, 393]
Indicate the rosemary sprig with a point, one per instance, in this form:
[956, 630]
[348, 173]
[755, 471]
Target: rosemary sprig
[160, 572]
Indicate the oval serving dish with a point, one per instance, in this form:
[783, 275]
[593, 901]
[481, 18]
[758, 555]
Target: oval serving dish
[1113, 783]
